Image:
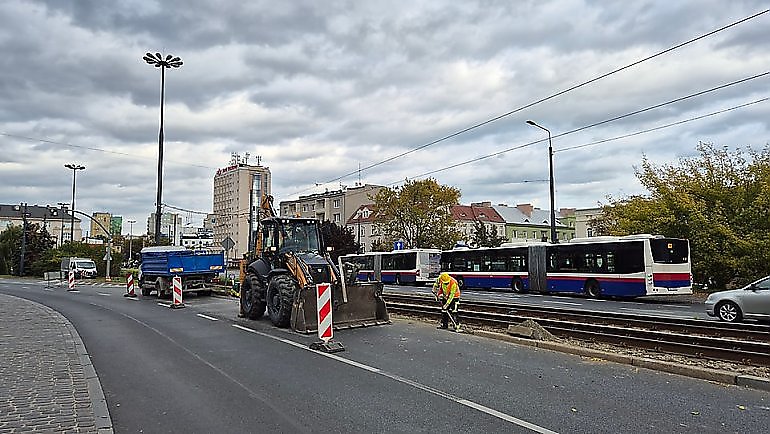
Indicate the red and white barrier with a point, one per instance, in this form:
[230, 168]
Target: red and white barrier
[71, 281]
[324, 299]
[130, 286]
[177, 284]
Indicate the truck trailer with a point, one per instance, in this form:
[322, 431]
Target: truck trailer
[198, 269]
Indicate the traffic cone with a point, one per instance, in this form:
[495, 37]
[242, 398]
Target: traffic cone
[130, 286]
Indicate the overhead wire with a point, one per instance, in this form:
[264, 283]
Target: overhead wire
[592, 125]
[541, 100]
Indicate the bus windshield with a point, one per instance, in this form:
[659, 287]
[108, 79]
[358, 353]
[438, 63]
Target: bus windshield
[670, 251]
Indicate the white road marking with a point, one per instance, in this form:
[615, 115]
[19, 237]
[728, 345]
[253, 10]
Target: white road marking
[596, 300]
[164, 304]
[211, 318]
[461, 401]
[562, 302]
[104, 294]
[133, 298]
[47, 289]
[73, 291]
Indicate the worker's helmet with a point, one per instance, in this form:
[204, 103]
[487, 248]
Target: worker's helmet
[444, 278]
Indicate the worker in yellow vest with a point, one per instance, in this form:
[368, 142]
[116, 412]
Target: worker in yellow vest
[447, 292]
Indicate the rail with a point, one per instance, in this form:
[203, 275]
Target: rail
[742, 343]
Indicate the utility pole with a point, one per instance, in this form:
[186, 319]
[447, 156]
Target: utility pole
[23, 208]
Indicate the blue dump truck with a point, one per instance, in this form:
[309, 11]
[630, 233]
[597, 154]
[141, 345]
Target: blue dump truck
[198, 269]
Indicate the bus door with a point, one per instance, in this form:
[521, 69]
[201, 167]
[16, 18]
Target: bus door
[537, 271]
[378, 267]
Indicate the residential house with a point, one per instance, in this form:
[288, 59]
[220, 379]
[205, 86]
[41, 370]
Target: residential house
[467, 216]
[524, 222]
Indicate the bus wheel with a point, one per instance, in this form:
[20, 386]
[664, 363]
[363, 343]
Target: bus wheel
[460, 282]
[592, 289]
[517, 285]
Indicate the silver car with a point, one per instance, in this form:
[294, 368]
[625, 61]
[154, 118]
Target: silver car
[749, 302]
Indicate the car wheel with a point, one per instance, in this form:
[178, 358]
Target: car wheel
[729, 312]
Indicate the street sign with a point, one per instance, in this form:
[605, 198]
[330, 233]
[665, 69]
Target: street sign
[398, 245]
[228, 243]
[107, 257]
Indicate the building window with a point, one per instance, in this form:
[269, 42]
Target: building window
[304, 208]
[336, 218]
[336, 203]
[589, 232]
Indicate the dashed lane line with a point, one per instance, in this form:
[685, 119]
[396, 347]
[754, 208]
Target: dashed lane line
[210, 318]
[420, 386]
[104, 294]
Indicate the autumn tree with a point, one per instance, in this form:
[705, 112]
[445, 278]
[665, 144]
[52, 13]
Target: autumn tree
[719, 200]
[417, 213]
[484, 237]
[340, 238]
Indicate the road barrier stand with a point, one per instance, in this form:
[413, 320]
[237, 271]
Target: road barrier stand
[177, 302]
[71, 281]
[130, 286]
[325, 328]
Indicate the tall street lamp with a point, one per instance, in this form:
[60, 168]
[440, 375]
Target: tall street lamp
[63, 207]
[550, 180]
[130, 239]
[75, 168]
[159, 61]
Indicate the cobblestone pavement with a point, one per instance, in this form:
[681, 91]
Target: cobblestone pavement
[47, 382]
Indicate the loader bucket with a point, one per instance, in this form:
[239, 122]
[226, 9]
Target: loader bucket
[364, 307]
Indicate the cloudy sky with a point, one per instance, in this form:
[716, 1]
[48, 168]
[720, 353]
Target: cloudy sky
[319, 89]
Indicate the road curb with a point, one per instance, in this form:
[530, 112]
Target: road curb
[715, 375]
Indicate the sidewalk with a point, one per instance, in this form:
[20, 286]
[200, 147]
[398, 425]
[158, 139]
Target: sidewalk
[47, 382]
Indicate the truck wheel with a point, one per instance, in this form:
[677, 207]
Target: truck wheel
[251, 307]
[145, 291]
[280, 296]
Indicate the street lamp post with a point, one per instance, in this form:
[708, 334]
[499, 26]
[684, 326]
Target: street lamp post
[550, 180]
[75, 168]
[159, 61]
[63, 207]
[130, 239]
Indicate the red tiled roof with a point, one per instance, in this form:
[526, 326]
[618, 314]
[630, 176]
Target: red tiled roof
[475, 213]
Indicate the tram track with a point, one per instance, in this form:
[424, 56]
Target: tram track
[742, 343]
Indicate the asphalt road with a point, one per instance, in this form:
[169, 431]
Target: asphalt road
[674, 306]
[201, 369]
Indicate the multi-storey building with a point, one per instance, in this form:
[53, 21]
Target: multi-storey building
[362, 223]
[170, 227]
[104, 219]
[116, 225]
[583, 218]
[238, 193]
[466, 217]
[524, 222]
[335, 206]
[57, 221]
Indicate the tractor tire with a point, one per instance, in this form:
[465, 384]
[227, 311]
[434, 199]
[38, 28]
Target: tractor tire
[251, 306]
[280, 297]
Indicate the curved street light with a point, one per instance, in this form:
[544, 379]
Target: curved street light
[75, 168]
[550, 180]
[158, 61]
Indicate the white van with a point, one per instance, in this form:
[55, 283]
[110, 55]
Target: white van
[84, 268]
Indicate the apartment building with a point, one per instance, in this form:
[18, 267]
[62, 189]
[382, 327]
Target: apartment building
[467, 216]
[583, 217]
[238, 193]
[335, 205]
[102, 218]
[57, 221]
[361, 222]
[524, 222]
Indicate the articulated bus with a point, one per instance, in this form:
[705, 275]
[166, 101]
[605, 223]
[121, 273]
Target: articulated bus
[400, 267]
[629, 266]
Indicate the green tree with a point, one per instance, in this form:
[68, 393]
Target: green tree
[485, 237]
[719, 200]
[417, 213]
[38, 241]
[340, 238]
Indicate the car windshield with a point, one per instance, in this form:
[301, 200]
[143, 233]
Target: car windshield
[83, 264]
[300, 237]
[763, 283]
